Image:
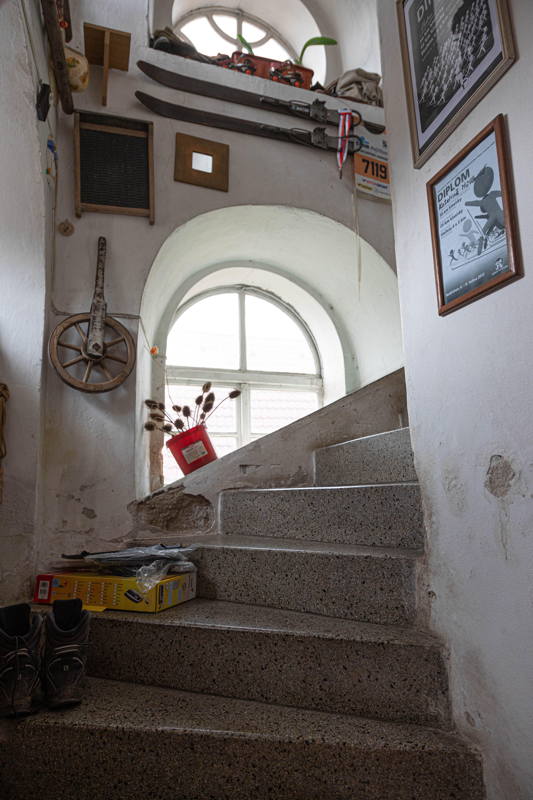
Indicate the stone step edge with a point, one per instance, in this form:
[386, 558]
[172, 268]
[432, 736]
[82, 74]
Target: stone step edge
[358, 731]
[306, 546]
[289, 489]
[361, 439]
[363, 632]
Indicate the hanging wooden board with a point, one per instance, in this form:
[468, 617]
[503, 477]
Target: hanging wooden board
[107, 48]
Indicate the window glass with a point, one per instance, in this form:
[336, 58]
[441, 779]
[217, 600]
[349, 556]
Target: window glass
[273, 50]
[223, 444]
[207, 334]
[272, 409]
[274, 341]
[251, 32]
[227, 24]
[204, 37]
[202, 31]
[223, 420]
[171, 471]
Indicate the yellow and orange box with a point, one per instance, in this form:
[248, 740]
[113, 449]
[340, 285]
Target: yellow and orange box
[114, 592]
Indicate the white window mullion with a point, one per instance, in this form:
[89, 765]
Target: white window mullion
[242, 330]
[245, 415]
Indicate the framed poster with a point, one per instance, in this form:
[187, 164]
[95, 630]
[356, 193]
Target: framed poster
[473, 221]
[453, 52]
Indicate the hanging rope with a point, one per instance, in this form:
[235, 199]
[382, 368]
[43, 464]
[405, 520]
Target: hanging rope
[4, 397]
[345, 126]
[355, 212]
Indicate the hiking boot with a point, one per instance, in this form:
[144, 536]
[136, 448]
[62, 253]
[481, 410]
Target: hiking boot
[20, 657]
[67, 632]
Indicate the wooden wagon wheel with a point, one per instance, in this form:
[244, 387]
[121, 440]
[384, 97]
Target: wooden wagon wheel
[91, 373]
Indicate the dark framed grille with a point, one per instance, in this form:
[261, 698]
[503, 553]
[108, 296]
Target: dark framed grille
[114, 165]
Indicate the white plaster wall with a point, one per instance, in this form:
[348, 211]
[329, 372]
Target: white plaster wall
[354, 24]
[24, 201]
[469, 397]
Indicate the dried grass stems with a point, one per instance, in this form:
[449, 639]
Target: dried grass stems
[187, 416]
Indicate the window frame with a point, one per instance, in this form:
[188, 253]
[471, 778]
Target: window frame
[208, 12]
[244, 379]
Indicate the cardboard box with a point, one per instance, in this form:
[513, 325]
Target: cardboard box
[99, 592]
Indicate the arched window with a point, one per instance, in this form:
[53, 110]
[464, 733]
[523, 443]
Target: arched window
[211, 29]
[246, 338]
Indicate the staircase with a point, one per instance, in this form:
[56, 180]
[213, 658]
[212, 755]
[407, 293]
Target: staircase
[298, 674]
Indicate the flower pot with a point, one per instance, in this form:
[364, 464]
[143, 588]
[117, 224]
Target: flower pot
[251, 65]
[192, 448]
[292, 74]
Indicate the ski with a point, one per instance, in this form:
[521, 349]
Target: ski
[315, 138]
[316, 111]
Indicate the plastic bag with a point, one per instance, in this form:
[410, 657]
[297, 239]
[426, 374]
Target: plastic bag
[149, 575]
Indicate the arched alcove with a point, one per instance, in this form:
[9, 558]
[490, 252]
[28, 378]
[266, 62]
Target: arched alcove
[311, 261]
[294, 21]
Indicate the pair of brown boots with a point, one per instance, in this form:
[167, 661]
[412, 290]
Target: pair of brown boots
[42, 656]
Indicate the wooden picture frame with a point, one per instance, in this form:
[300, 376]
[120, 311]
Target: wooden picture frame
[185, 171]
[453, 52]
[473, 258]
[113, 165]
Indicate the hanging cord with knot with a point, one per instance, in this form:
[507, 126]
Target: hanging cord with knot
[4, 397]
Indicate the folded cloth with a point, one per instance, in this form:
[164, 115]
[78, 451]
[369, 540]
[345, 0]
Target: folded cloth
[359, 85]
[167, 41]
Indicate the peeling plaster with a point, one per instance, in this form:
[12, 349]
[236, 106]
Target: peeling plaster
[90, 513]
[174, 510]
[500, 476]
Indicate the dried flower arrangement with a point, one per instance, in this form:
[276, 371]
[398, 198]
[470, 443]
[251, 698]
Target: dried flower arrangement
[187, 416]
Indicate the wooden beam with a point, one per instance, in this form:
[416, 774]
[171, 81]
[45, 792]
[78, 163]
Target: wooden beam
[105, 71]
[77, 166]
[66, 17]
[57, 53]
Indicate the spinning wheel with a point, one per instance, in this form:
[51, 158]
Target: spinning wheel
[101, 373]
[93, 352]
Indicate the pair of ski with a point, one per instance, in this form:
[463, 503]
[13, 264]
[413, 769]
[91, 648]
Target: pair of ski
[318, 137]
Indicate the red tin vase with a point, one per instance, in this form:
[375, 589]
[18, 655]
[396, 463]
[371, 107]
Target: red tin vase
[192, 448]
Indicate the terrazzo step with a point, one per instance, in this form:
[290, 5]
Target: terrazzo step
[129, 741]
[382, 458]
[361, 583]
[388, 515]
[281, 657]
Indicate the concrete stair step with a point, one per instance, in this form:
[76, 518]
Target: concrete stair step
[381, 458]
[388, 515]
[281, 657]
[361, 583]
[129, 741]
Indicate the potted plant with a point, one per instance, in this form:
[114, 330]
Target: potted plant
[289, 72]
[248, 63]
[294, 73]
[189, 441]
